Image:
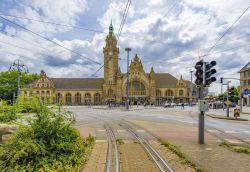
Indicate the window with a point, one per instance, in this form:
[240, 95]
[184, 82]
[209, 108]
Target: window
[48, 92]
[78, 98]
[158, 93]
[87, 98]
[68, 99]
[169, 93]
[249, 82]
[97, 98]
[58, 98]
[110, 92]
[37, 92]
[180, 92]
[42, 85]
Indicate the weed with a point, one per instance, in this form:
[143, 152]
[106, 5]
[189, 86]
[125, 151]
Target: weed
[180, 154]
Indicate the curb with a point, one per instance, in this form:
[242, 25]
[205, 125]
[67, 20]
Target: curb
[226, 118]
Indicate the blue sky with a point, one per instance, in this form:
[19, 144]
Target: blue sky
[171, 41]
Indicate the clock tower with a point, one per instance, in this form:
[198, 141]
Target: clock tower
[110, 52]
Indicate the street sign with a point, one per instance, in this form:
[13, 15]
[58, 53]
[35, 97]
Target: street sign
[246, 92]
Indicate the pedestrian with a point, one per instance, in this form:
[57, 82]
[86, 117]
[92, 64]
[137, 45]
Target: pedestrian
[182, 105]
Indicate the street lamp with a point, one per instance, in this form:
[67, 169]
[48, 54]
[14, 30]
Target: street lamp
[17, 64]
[127, 91]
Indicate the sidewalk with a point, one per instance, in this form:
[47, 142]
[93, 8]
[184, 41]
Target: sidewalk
[211, 157]
[245, 114]
[220, 112]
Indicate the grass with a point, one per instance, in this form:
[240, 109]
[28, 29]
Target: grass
[119, 141]
[175, 149]
[235, 148]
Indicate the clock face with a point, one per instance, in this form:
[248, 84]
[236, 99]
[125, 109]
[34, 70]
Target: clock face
[110, 53]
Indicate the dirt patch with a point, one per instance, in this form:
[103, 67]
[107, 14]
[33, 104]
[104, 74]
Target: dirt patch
[97, 159]
[133, 158]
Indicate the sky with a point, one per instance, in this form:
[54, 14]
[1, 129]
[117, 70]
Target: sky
[170, 35]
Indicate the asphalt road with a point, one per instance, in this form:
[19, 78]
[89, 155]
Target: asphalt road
[224, 129]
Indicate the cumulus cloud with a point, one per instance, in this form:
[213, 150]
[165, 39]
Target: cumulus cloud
[170, 40]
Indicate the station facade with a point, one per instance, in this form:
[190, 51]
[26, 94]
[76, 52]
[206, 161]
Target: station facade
[153, 88]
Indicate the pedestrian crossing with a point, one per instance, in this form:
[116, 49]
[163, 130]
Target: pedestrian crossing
[232, 132]
[229, 132]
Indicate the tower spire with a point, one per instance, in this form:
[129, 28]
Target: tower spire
[111, 28]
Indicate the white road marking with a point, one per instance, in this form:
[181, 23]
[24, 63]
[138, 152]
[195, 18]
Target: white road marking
[140, 131]
[121, 131]
[234, 141]
[100, 141]
[231, 132]
[214, 131]
[101, 130]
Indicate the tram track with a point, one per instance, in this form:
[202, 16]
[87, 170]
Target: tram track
[161, 164]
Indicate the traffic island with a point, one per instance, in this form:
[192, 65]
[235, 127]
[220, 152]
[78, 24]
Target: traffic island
[227, 118]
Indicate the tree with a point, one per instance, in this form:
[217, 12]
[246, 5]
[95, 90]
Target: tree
[8, 83]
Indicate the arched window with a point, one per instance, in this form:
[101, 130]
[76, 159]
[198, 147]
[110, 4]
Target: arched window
[110, 92]
[158, 93]
[87, 98]
[78, 98]
[137, 88]
[97, 98]
[48, 93]
[170, 93]
[68, 99]
[180, 92]
[42, 93]
[58, 98]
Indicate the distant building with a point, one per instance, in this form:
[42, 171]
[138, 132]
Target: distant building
[245, 83]
[154, 88]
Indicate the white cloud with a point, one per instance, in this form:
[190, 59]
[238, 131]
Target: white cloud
[171, 42]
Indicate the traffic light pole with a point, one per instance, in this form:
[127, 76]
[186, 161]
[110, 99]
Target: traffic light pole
[228, 99]
[202, 113]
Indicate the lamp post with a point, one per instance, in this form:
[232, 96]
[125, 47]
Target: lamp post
[127, 89]
[17, 64]
[191, 89]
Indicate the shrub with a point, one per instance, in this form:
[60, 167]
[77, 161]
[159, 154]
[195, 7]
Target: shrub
[48, 143]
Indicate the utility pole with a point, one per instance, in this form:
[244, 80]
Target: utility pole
[191, 89]
[228, 98]
[17, 64]
[127, 89]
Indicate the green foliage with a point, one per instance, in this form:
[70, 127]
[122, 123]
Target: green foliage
[7, 113]
[8, 80]
[48, 143]
[235, 148]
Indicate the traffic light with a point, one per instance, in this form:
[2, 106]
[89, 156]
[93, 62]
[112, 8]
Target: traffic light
[199, 73]
[231, 93]
[221, 80]
[209, 72]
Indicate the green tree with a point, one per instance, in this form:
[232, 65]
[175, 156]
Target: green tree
[8, 83]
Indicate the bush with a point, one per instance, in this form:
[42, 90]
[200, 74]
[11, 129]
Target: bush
[8, 114]
[48, 143]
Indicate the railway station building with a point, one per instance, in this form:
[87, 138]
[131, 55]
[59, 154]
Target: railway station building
[152, 87]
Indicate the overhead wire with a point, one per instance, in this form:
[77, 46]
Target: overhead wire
[228, 29]
[47, 39]
[119, 32]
